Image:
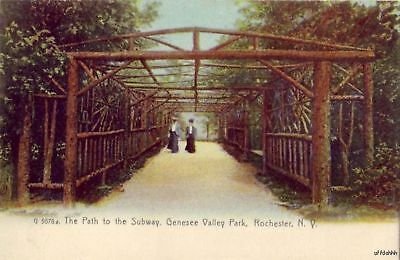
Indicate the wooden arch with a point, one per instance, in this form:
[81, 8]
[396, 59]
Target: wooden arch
[166, 78]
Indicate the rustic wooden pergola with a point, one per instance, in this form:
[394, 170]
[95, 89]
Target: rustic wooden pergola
[118, 104]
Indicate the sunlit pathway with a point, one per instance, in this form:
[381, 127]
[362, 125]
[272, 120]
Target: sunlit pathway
[209, 185]
[209, 182]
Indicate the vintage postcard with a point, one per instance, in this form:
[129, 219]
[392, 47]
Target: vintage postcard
[199, 129]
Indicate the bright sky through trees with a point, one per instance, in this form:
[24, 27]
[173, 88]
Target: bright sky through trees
[220, 14]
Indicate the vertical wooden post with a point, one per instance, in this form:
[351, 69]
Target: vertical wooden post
[265, 129]
[49, 140]
[368, 126]
[46, 172]
[220, 128]
[168, 125]
[127, 117]
[144, 123]
[24, 154]
[163, 130]
[246, 132]
[225, 126]
[223, 131]
[196, 40]
[321, 155]
[71, 138]
[196, 47]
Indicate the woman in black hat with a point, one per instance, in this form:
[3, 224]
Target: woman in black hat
[191, 132]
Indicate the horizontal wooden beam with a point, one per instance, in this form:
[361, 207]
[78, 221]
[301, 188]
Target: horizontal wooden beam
[278, 37]
[229, 54]
[304, 137]
[204, 88]
[216, 65]
[191, 104]
[198, 110]
[209, 30]
[159, 83]
[192, 97]
[347, 97]
[220, 88]
[49, 186]
[214, 108]
[169, 74]
[50, 96]
[97, 134]
[199, 102]
[250, 66]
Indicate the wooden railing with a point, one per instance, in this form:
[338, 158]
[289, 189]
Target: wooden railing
[101, 151]
[98, 152]
[141, 140]
[290, 155]
[236, 137]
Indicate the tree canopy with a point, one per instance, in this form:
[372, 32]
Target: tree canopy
[30, 33]
[345, 22]
[348, 23]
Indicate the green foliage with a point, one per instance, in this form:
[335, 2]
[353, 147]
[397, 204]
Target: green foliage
[373, 26]
[6, 181]
[379, 186]
[31, 57]
[387, 98]
[278, 17]
[336, 22]
[30, 33]
[73, 21]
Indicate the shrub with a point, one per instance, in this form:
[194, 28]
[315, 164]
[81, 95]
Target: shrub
[379, 185]
[6, 181]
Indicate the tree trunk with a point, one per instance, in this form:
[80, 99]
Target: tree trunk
[345, 146]
[24, 155]
[266, 128]
[127, 126]
[368, 126]
[246, 132]
[49, 141]
[321, 157]
[71, 139]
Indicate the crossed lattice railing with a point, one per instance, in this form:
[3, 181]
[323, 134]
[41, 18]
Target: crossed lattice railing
[113, 127]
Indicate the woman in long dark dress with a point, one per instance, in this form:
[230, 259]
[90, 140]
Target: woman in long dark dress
[174, 132]
[190, 137]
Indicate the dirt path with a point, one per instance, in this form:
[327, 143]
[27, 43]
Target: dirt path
[208, 182]
[207, 185]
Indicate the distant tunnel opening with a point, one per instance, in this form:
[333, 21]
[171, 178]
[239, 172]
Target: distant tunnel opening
[206, 124]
